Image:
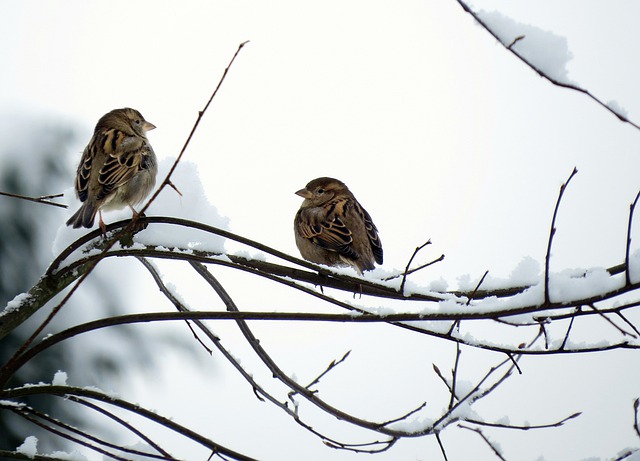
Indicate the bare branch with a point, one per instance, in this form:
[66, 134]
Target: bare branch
[406, 269]
[442, 450]
[551, 234]
[331, 366]
[454, 376]
[45, 199]
[622, 331]
[66, 391]
[165, 454]
[528, 427]
[475, 290]
[491, 444]
[566, 335]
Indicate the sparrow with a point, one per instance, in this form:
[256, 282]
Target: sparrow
[332, 228]
[118, 167]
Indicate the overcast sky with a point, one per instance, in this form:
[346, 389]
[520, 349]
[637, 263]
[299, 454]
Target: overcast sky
[439, 131]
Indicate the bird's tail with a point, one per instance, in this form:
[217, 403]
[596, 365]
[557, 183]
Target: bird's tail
[84, 217]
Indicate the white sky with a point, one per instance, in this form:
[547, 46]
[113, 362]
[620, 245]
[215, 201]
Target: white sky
[438, 130]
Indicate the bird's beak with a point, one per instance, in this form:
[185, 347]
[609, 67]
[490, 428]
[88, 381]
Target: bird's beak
[148, 126]
[304, 193]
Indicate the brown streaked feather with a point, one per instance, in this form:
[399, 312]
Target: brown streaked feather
[124, 161]
[372, 233]
[329, 231]
[84, 171]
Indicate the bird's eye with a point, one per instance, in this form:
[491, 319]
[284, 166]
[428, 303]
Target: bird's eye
[319, 191]
[138, 122]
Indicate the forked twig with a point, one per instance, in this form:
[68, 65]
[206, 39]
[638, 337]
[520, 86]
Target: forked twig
[491, 445]
[415, 269]
[45, 199]
[331, 366]
[406, 269]
[622, 331]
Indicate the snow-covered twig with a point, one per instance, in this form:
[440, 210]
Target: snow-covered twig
[511, 48]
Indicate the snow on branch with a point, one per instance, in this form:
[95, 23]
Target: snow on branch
[544, 52]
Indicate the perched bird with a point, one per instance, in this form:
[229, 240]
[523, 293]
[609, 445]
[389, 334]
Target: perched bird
[332, 228]
[118, 167]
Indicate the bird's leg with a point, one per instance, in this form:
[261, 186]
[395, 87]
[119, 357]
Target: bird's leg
[135, 213]
[137, 227]
[102, 225]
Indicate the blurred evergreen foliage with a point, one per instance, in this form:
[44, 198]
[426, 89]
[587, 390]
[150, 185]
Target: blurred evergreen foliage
[34, 168]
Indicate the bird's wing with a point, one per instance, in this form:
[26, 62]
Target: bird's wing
[84, 172]
[372, 233]
[125, 156]
[327, 229]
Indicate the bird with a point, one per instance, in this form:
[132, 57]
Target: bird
[118, 167]
[332, 228]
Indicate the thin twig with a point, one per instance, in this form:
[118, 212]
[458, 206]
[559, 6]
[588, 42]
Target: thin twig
[444, 453]
[28, 415]
[622, 331]
[486, 439]
[175, 301]
[515, 40]
[405, 416]
[454, 375]
[528, 427]
[122, 422]
[475, 290]
[406, 269]
[566, 335]
[415, 269]
[628, 322]
[66, 391]
[331, 366]
[552, 232]
[45, 199]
